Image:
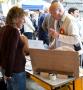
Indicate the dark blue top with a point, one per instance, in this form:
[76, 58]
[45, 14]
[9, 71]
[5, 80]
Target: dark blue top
[42, 34]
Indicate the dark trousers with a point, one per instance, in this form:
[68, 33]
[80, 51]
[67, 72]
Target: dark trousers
[43, 35]
[3, 85]
[29, 35]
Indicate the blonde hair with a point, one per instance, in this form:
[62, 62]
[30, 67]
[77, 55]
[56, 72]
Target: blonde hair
[14, 12]
[55, 5]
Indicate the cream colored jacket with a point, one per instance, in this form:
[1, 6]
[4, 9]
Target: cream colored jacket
[69, 32]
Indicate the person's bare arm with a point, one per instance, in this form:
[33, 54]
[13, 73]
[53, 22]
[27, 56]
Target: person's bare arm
[26, 45]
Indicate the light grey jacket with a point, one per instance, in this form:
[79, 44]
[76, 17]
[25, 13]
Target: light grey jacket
[70, 35]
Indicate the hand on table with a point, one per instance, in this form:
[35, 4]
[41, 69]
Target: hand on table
[53, 33]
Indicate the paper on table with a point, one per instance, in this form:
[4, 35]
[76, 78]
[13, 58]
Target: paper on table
[38, 44]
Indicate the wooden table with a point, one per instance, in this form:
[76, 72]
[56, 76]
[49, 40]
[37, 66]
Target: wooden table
[51, 84]
[75, 84]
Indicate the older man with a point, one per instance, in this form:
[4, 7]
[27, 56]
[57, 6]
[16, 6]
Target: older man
[67, 31]
[49, 22]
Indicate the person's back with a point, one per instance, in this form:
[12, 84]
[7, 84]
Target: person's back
[28, 27]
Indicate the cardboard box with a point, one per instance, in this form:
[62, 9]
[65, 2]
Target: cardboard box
[55, 61]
